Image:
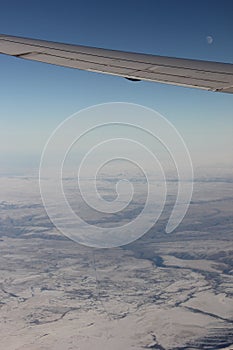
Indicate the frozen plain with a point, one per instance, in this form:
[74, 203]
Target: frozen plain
[171, 292]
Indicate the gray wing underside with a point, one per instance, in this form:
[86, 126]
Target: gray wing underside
[206, 75]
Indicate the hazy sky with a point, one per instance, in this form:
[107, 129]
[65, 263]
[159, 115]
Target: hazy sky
[36, 97]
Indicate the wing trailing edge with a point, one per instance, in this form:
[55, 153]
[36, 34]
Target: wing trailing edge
[213, 76]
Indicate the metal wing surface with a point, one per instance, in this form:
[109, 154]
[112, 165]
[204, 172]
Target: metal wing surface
[206, 75]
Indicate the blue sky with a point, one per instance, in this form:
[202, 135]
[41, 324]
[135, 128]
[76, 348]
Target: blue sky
[36, 97]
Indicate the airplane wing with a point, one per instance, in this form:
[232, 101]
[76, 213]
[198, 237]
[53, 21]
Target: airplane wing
[206, 75]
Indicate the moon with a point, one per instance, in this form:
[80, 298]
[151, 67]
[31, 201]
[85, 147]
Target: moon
[209, 39]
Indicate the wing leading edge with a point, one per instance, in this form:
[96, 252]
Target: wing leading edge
[206, 75]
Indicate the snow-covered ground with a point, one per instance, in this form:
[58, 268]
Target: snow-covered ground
[160, 292]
